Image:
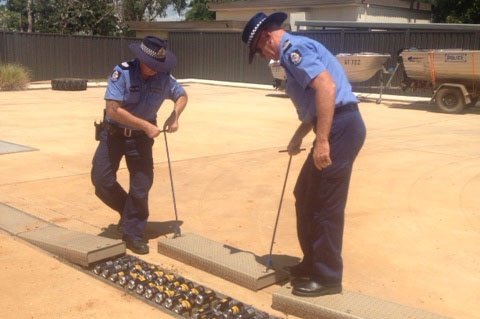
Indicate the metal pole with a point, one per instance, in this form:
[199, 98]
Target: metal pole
[177, 227]
[269, 261]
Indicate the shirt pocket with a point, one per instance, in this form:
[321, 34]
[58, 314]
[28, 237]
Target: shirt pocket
[133, 98]
[155, 96]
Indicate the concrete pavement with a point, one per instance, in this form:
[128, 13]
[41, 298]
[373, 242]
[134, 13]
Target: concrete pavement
[413, 216]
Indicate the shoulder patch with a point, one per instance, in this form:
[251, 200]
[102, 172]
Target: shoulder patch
[115, 75]
[296, 57]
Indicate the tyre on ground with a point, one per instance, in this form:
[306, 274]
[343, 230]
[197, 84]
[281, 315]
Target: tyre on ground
[69, 84]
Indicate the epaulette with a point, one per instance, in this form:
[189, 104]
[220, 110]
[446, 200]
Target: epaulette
[125, 65]
[287, 45]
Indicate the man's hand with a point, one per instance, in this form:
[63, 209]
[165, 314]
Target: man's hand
[152, 130]
[293, 147]
[171, 124]
[321, 154]
[295, 143]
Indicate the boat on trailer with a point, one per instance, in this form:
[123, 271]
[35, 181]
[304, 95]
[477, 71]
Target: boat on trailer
[359, 67]
[363, 66]
[452, 74]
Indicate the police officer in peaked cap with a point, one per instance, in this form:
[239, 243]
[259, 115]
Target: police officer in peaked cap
[323, 98]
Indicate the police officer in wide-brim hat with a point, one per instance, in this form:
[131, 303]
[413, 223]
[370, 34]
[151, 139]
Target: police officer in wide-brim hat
[135, 92]
[153, 52]
[254, 27]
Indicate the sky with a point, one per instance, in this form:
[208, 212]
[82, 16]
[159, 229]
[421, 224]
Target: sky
[171, 15]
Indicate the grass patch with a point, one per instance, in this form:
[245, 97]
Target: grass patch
[13, 77]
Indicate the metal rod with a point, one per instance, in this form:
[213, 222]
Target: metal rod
[177, 227]
[269, 261]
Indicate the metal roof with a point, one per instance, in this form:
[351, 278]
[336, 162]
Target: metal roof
[387, 26]
[289, 4]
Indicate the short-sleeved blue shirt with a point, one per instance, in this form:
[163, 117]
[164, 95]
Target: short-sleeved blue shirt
[138, 96]
[303, 59]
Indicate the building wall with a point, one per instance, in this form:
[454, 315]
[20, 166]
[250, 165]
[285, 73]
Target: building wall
[241, 15]
[337, 13]
[385, 14]
[355, 13]
[158, 33]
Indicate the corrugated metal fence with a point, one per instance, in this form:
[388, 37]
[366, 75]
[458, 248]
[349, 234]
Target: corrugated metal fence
[50, 56]
[207, 55]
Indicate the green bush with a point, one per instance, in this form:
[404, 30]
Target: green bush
[13, 77]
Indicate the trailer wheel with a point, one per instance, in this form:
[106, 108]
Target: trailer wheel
[450, 100]
[69, 84]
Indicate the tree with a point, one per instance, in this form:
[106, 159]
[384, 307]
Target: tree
[456, 11]
[30, 15]
[144, 10]
[8, 19]
[198, 11]
[16, 12]
[90, 17]
[179, 6]
[93, 17]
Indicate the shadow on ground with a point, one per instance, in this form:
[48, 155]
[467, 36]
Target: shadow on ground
[430, 107]
[152, 230]
[273, 262]
[282, 95]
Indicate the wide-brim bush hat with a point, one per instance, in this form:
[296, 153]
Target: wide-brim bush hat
[254, 27]
[153, 52]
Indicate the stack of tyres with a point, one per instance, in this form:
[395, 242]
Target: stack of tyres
[172, 293]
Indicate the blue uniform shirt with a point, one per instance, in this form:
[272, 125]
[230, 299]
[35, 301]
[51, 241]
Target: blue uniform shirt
[138, 96]
[303, 59]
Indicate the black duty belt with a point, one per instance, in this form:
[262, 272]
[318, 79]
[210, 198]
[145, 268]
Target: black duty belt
[116, 130]
[351, 107]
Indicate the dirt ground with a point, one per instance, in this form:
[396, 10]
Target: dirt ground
[412, 223]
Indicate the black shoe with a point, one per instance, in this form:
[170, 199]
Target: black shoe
[312, 288]
[298, 280]
[298, 271]
[138, 247]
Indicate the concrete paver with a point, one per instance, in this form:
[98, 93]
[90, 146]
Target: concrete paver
[413, 216]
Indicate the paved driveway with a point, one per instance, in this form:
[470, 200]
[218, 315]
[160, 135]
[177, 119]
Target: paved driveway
[413, 217]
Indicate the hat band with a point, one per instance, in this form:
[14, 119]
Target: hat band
[252, 34]
[160, 54]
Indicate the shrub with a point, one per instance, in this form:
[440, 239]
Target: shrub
[13, 77]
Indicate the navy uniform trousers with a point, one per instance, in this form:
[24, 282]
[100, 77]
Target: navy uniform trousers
[321, 196]
[132, 206]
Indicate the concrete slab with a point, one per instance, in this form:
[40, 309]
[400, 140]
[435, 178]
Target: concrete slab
[347, 305]
[7, 147]
[241, 267]
[76, 247]
[15, 221]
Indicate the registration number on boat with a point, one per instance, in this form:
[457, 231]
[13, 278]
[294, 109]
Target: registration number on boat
[352, 62]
